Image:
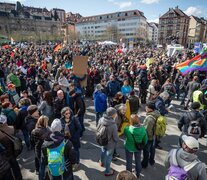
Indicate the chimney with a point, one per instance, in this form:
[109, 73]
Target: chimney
[176, 7]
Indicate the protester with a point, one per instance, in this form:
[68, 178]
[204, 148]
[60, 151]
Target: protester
[71, 128]
[134, 103]
[126, 175]
[135, 133]
[9, 147]
[59, 103]
[108, 120]
[183, 162]
[100, 102]
[149, 124]
[38, 135]
[57, 154]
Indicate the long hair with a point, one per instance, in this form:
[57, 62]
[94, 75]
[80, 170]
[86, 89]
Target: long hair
[48, 98]
[42, 121]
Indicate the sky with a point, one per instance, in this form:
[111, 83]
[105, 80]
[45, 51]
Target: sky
[152, 9]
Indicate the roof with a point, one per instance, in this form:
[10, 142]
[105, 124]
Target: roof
[177, 11]
[94, 18]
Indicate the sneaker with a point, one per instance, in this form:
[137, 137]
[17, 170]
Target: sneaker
[152, 162]
[75, 167]
[116, 155]
[111, 173]
[158, 147]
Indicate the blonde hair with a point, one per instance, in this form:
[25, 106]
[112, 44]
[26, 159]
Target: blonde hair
[42, 121]
[134, 119]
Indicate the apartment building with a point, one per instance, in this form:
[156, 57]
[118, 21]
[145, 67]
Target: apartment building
[61, 14]
[173, 25]
[125, 25]
[154, 32]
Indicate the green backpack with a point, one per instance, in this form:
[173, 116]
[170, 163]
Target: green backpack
[56, 160]
[160, 125]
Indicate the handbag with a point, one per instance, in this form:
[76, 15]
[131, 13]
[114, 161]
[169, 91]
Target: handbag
[139, 146]
[18, 147]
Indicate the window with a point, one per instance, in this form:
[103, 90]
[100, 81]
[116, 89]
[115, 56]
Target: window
[126, 14]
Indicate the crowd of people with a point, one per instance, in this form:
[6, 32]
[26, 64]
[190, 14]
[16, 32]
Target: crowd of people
[42, 99]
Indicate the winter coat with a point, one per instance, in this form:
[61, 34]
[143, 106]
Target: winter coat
[79, 105]
[38, 136]
[160, 106]
[187, 117]
[30, 123]
[112, 88]
[75, 130]
[20, 120]
[14, 80]
[46, 109]
[5, 141]
[11, 116]
[53, 141]
[58, 105]
[184, 158]
[134, 104]
[149, 123]
[112, 131]
[140, 135]
[100, 101]
[126, 90]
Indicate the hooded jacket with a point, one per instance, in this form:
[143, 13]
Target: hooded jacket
[198, 172]
[53, 141]
[140, 135]
[11, 116]
[30, 123]
[149, 123]
[100, 101]
[112, 131]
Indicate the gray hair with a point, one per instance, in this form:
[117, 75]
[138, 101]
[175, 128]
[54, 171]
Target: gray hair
[122, 106]
[64, 110]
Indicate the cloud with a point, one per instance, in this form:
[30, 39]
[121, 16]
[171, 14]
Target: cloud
[153, 20]
[121, 5]
[193, 11]
[149, 1]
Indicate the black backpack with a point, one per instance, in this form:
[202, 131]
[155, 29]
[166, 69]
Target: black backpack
[101, 135]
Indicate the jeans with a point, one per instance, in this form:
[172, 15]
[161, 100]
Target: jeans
[77, 154]
[148, 153]
[81, 119]
[106, 158]
[26, 137]
[98, 116]
[137, 156]
[41, 170]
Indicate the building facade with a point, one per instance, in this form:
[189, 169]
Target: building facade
[149, 32]
[60, 13]
[154, 32]
[173, 26]
[197, 30]
[29, 24]
[126, 25]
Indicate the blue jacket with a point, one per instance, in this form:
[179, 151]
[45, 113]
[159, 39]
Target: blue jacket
[160, 106]
[112, 88]
[100, 101]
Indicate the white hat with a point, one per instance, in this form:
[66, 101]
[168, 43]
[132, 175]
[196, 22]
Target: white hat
[191, 142]
[56, 125]
[3, 119]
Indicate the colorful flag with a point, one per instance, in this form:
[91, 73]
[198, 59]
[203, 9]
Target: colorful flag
[199, 62]
[57, 47]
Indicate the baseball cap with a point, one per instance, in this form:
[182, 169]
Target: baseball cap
[191, 142]
[11, 86]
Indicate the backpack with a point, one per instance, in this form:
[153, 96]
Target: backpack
[101, 135]
[194, 128]
[176, 172]
[17, 143]
[160, 125]
[56, 160]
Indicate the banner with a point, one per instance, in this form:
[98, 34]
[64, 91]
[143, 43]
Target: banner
[80, 66]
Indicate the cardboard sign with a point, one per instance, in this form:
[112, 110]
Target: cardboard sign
[80, 65]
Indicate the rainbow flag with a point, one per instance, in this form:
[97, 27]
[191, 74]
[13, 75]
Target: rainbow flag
[199, 62]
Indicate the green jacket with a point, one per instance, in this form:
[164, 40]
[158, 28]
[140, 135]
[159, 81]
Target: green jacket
[11, 116]
[15, 80]
[139, 133]
[149, 123]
